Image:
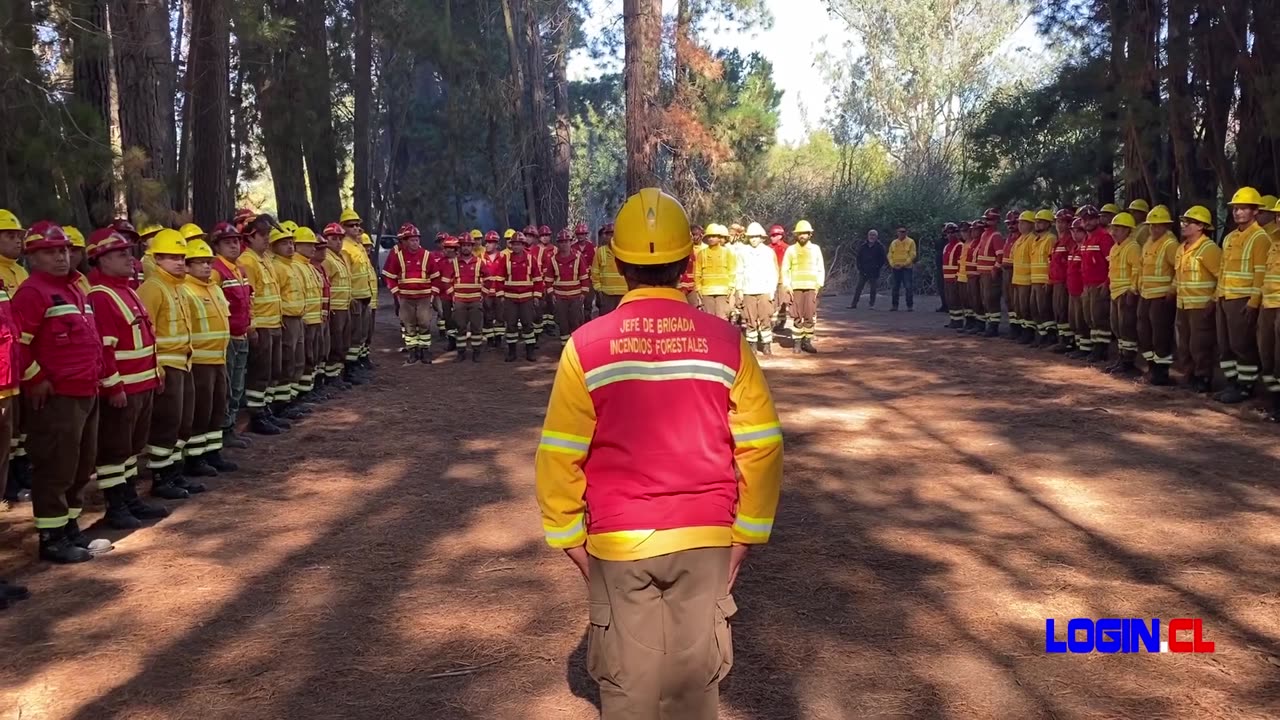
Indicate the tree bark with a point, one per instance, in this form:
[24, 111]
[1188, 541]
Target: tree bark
[363, 86]
[1255, 139]
[537, 81]
[1180, 116]
[237, 131]
[522, 149]
[182, 177]
[681, 168]
[318, 139]
[1220, 48]
[563, 150]
[642, 20]
[1140, 97]
[209, 69]
[91, 81]
[144, 72]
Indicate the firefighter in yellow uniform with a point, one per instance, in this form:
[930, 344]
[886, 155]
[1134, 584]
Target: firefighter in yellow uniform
[361, 297]
[1041, 306]
[659, 640]
[605, 279]
[78, 262]
[717, 270]
[12, 275]
[209, 314]
[1244, 264]
[1022, 327]
[372, 280]
[341, 371]
[804, 272]
[266, 334]
[1138, 210]
[313, 317]
[1196, 285]
[1267, 217]
[1124, 273]
[1269, 323]
[293, 303]
[1157, 303]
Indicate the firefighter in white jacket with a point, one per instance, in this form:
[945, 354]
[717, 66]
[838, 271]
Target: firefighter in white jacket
[758, 281]
[803, 274]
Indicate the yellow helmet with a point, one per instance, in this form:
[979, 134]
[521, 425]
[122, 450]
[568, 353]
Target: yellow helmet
[365, 239]
[150, 229]
[73, 234]
[1269, 202]
[278, 234]
[191, 231]
[1277, 206]
[716, 229]
[651, 229]
[1110, 208]
[348, 215]
[9, 221]
[304, 235]
[1140, 205]
[289, 225]
[199, 250]
[1158, 215]
[168, 242]
[1124, 219]
[1027, 216]
[1045, 215]
[1246, 196]
[477, 235]
[508, 234]
[1200, 214]
[803, 227]
[755, 229]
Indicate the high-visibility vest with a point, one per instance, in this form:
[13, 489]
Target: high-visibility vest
[1159, 266]
[803, 267]
[951, 260]
[1271, 278]
[717, 270]
[162, 296]
[210, 321]
[468, 280]
[266, 290]
[1124, 267]
[1244, 264]
[1198, 267]
[604, 273]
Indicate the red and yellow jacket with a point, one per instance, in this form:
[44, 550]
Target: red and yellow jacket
[9, 345]
[59, 338]
[951, 259]
[541, 253]
[1075, 270]
[127, 335]
[1058, 255]
[467, 279]
[408, 273]
[971, 259]
[588, 251]
[569, 276]
[520, 282]
[990, 247]
[235, 288]
[493, 265]
[1094, 254]
[688, 278]
[614, 472]
[326, 287]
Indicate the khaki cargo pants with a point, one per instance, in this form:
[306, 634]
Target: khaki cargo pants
[659, 642]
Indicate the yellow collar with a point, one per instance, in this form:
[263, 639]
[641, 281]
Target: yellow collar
[653, 294]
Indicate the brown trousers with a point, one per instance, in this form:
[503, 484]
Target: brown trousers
[804, 313]
[757, 310]
[693, 298]
[990, 285]
[659, 641]
[359, 326]
[322, 362]
[339, 341]
[607, 303]
[493, 316]
[264, 360]
[521, 319]
[469, 319]
[122, 436]
[1020, 306]
[1097, 312]
[1079, 324]
[1155, 329]
[1268, 348]
[62, 441]
[719, 305]
[1042, 308]
[8, 426]
[292, 359]
[962, 293]
[172, 413]
[1006, 282]
[1124, 318]
[1237, 341]
[975, 298]
[568, 314]
[1061, 310]
[951, 296]
[208, 406]
[1196, 340]
[313, 351]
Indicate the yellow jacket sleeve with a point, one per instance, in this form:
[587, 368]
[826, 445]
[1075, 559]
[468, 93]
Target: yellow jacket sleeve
[1258, 259]
[757, 438]
[596, 263]
[560, 483]
[1135, 268]
[913, 251]
[1211, 260]
[152, 298]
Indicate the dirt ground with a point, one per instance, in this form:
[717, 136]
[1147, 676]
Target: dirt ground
[943, 496]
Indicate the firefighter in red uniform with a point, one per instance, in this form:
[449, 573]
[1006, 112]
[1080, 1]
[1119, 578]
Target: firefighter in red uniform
[978, 316]
[542, 252]
[1075, 290]
[568, 279]
[990, 257]
[778, 243]
[521, 289]
[1059, 297]
[582, 243]
[1094, 268]
[467, 292]
[951, 260]
[492, 260]
[1006, 259]
[441, 268]
[63, 371]
[659, 542]
[408, 276]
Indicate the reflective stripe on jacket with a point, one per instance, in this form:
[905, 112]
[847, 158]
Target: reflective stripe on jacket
[210, 321]
[128, 340]
[1159, 266]
[161, 294]
[1198, 266]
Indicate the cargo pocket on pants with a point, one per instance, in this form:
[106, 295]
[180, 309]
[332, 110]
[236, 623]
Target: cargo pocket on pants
[725, 609]
[599, 658]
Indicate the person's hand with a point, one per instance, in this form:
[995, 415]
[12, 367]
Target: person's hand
[117, 399]
[160, 381]
[1251, 314]
[737, 554]
[579, 557]
[38, 394]
[253, 337]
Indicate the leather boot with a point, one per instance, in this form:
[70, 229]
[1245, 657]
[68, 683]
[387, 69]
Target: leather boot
[511, 352]
[74, 535]
[475, 354]
[1128, 369]
[118, 516]
[219, 463]
[413, 357]
[1234, 393]
[259, 424]
[1201, 385]
[232, 439]
[197, 467]
[453, 344]
[350, 375]
[993, 329]
[182, 483]
[55, 547]
[795, 347]
[1063, 347]
[1098, 353]
[528, 353]
[162, 485]
[1160, 375]
[284, 411]
[462, 355]
[140, 509]
[806, 345]
[11, 593]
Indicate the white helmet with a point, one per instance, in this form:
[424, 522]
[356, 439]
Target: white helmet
[755, 229]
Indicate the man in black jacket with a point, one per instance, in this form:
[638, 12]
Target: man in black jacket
[871, 260]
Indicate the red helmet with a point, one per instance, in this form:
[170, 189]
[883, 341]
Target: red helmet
[1077, 224]
[1088, 211]
[465, 238]
[564, 236]
[1064, 214]
[125, 228]
[582, 229]
[530, 230]
[104, 240]
[408, 230]
[544, 230]
[332, 229]
[519, 237]
[606, 228]
[225, 231]
[991, 214]
[45, 234]
[441, 237]
[491, 236]
[777, 231]
[450, 241]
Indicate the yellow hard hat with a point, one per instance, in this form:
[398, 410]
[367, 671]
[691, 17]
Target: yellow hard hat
[1246, 196]
[365, 239]
[168, 242]
[73, 234]
[1200, 214]
[9, 221]
[1277, 206]
[289, 225]
[1045, 215]
[1027, 216]
[1269, 202]
[1159, 214]
[304, 235]
[477, 235]
[1124, 219]
[150, 229]
[199, 250]
[348, 215]
[1109, 208]
[651, 229]
[191, 231]
[508, 234]
[1140, 205]
[755, 229]
[803, 227]
[278, 234]
[716, 229]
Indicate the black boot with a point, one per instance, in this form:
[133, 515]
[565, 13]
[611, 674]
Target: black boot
[528, 353]
[1027, 336]
[462, 355]
[511, 352]
[276, 419]
[475, 354]
[219, 463]
[232, 439]
[350, 375]
[197, 467]
[413, 357]
[140, 509]
[181, 482]
[1098, 353]
[260, 424]
[56, 547]
[1235, 393]
[1202, 385]
[1275, 408]
[118, 515]
[162, 485]
[11, 593]
[806, 345]
[993, 329]
[286, 411]
[795, 346]
[1079, 353]
[1128, 369]
[1063, 347]
[453, 344]
[73, 534]
[1160, 375]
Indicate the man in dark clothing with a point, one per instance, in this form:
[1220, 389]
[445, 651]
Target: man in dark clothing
[939, 246]
[872, 257]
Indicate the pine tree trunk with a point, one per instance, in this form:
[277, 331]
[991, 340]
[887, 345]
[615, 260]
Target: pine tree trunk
[237, 132]
[144, 72]
[182, 177]
[1140, 93]
[1180, 116]
[522, 149]
[209, 69]
[319, 141]
[643, 29]
[363, 100]
[1255, 139]
[682, 180]
[1220, 48]
[91, 81]
[537, 81]
[563, 151]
